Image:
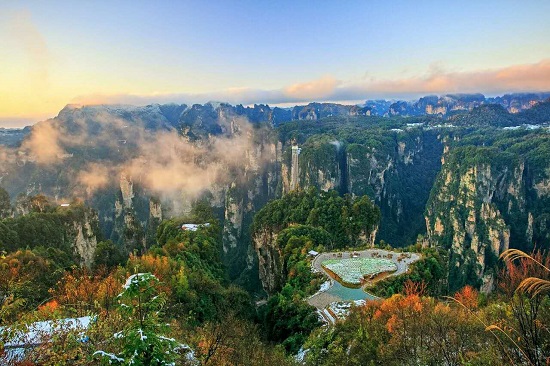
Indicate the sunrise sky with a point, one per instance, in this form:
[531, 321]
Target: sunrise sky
[53, 53]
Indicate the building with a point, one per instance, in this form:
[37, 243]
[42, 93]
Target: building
[295, 168]
[194, 227]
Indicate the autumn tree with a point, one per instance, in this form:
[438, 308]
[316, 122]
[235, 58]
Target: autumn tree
[81, 291]
[233, 341]
[525, 281]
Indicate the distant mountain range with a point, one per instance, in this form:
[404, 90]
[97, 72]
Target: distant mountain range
[451, 104]
[206, 116]
[136, 165]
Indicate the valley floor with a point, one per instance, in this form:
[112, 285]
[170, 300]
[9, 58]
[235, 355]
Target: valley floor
[336, 292]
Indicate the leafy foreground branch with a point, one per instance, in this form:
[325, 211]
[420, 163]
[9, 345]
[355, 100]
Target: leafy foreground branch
[142, 341]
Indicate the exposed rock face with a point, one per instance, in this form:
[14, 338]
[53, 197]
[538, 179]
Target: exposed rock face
[477, 209]
[270, 260]
[434, 105]
[543, 187]
[256, 183]
[518, 102]
[396, 168]
[155, 210]
[85, 242]
[398, 179]
[126, 188]
[233, 220]
[462, 213]
[446, 105]
[315, 111]
[397, 176]
[127, 228]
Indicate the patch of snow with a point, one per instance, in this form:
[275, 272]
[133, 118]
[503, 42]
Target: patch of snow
[39, 333]
[142, 337]
[111, 356]
[136, 278]
[300, 356]
[167, 339]
[325, 286]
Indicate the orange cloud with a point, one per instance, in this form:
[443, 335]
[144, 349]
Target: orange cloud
[315, 89]
[517, 78]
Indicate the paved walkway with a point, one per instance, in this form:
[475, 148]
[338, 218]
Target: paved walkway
[321, 299]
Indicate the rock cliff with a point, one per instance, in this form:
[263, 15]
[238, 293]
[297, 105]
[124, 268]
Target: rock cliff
[484, 201]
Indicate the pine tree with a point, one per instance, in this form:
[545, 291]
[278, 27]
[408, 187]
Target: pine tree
[141, 341]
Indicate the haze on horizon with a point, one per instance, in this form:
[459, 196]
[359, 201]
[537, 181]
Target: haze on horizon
[137, 52]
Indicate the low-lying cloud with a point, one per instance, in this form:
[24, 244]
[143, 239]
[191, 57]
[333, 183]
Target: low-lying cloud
[517, 78]
[96, 148]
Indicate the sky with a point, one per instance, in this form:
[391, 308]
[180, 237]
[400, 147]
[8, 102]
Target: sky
[54, 53]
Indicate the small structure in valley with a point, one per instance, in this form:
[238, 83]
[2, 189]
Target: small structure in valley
[313, 253]
[194, 227]
[294, 167]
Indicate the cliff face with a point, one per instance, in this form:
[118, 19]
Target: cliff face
[128, 231]
[396, 169]
[72, 228]
[518, 102]
[270, 260]
[394, 161]
[254, 184]
[85, 240]
[315, 111]
[398, 179]
[484, 201]
[447, 105]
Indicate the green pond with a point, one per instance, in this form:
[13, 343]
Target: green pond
[347, 293]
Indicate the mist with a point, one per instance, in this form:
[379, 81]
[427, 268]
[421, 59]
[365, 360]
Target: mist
[95, 146]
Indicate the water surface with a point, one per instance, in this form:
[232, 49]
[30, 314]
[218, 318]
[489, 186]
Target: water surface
[347, 293]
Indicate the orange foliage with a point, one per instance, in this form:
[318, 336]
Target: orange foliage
[414, 288]
[84, 291]
[399, 309]
[49, 307]
[518, 270]
[164, 268]
[467, 296]
[160, 266]
[391, 323]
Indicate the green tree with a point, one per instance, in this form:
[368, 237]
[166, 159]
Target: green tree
[108, 254]
[5, 205]
[141, 341]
